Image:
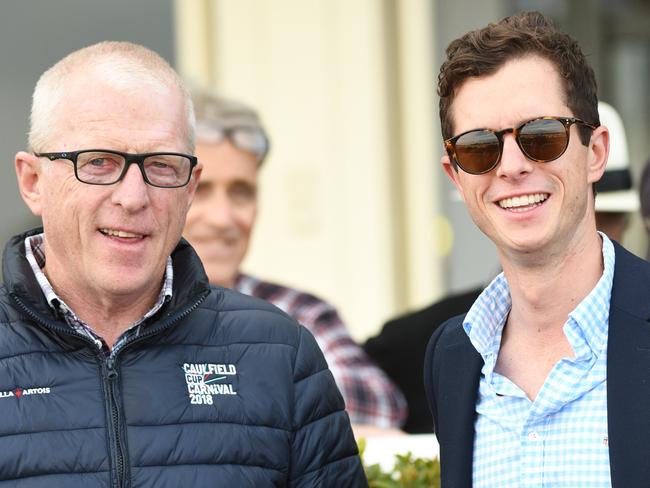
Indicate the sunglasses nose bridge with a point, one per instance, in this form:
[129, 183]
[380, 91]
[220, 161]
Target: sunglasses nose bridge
[513, 160]
[501, 134]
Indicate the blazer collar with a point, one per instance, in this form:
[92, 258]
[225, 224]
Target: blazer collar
[459, 378]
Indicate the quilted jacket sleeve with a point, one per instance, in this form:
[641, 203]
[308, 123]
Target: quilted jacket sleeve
[324, 452]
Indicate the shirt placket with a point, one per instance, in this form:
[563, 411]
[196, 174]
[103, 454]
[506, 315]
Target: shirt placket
[532, 444]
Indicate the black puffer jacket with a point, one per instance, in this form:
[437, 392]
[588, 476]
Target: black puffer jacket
[219, 390]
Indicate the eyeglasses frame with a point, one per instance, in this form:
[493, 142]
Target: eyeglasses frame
[567, 122]
[129, 158]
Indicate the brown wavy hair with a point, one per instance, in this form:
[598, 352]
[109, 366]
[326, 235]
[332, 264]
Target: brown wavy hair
[484, 51]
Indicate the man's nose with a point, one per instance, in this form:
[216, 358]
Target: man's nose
[220, 209]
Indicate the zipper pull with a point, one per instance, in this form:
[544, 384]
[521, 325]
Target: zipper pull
[110, 366]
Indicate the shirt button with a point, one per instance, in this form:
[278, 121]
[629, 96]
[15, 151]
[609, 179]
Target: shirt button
[533, 436]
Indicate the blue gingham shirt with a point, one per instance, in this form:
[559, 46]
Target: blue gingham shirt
[560, 439]
[35, 255]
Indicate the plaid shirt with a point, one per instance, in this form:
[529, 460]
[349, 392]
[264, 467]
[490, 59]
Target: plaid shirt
[370, 397]
[560, 439]
[35, 255]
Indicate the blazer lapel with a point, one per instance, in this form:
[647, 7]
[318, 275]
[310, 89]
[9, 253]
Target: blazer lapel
[628, 372]
[459, 378]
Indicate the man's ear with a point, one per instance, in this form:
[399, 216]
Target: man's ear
[598, 153]
[30, 180]
[452, 173]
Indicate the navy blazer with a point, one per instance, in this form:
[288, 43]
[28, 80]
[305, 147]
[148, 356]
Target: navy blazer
[452, 370]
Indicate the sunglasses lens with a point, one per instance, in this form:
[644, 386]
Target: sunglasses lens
[477, 151]
[250, 140]
[543, 139]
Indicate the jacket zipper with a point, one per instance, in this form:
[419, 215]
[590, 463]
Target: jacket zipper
[111, 388]
[111, 374]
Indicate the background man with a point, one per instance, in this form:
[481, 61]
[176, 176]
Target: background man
[232, 144]
[544, 381]
[121, 366]
[400, 346]
[616, 199]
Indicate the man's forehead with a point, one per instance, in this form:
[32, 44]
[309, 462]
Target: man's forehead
[104, 111]
[521, 89]
[92, 88]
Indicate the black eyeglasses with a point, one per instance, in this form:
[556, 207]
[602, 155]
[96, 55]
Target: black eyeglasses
[107, 167]
[541, 140]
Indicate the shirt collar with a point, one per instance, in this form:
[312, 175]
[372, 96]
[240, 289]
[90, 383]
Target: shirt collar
[586, 326]
[590, 319]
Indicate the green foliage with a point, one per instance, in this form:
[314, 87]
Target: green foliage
[408, 472]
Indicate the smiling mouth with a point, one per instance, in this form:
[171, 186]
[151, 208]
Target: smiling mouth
[121, 233]
[523, 202]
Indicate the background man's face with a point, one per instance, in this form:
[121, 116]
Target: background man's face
[523, 89]
[83, 249]
[221, 219]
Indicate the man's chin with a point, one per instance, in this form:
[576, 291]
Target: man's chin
[127, 276]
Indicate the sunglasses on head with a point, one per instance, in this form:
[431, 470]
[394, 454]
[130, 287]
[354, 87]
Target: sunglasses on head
[541, 140]
[249, 139]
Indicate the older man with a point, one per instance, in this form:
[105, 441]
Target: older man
[120, 365]
[232, 144]
[545, 381]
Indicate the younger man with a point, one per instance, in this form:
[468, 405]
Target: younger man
[545, 381]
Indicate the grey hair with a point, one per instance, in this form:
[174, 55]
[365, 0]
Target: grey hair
[216, 115]
[123, 65]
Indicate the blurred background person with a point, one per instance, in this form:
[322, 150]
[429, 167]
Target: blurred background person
[616, 199]
[399, 350]
[400, 346]
[232, 144]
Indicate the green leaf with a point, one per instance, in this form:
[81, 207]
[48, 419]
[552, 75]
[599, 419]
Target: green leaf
[408, 472]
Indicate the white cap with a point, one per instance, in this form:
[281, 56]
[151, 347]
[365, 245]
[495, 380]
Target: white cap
[615, 193]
